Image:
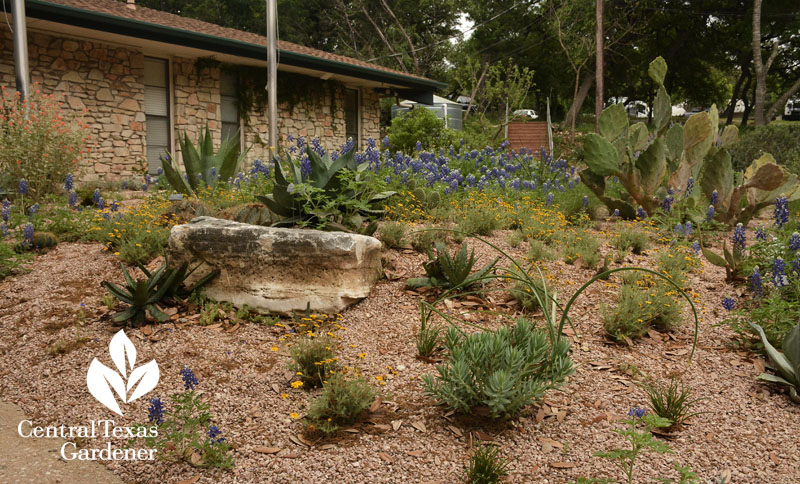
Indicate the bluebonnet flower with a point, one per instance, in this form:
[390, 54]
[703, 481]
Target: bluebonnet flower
[689, 188]
[667, 203]
[114, 206]
[585, 201]
[213, 172]
[755, 282]
[69, 182]
[687, 228]
[213, 434]
[728, 303]
[160, 171]
[696, 247]
[678, 229]
[155, 412]
[317, 147]
[781, 211]
[739, 242]
[101, 203]
[149, 180]
[96, 196]
[779, 273]
[641, 214]
[710, 213]
[125, 184]
[714, 197]
[794, 241]
[6, 212]
[636, 412]
[616, 213]
[549, 200]
[22, 188]
[189, 380]
[418, 146]
[385, 142]
[305, 167]
[72, 198]
[33, 209]
[761, 234]
[27, 235]
[144, 187]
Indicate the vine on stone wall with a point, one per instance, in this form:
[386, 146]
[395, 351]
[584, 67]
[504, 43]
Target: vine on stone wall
[293, 88]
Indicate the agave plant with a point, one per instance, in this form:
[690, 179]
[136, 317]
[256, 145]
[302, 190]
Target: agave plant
[144, 295]
[337, 204]
[787, 364]
[448, 271]
[203, 167]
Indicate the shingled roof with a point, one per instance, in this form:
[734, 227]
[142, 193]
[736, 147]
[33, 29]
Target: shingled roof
[116, 17]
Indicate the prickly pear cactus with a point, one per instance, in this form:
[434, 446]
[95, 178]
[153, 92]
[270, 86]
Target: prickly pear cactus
[185, 210]
[248, 213]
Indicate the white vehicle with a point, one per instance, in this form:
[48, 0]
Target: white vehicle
[528, 113]
[637, 109]
[792, 109]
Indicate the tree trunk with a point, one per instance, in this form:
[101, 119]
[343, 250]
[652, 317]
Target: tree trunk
[734, 98]
[758, 64]
[577, 101]
[598, 76]
[748, 106]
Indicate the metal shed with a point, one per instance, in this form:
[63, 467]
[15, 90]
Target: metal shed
[449, 111]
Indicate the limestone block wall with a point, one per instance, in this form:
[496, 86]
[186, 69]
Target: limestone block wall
[196, 100]
[101, 83]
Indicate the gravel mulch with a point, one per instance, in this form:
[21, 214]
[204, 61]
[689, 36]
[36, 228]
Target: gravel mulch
[748, 429]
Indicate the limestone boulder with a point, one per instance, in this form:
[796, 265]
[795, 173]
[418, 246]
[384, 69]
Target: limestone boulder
[279, 270]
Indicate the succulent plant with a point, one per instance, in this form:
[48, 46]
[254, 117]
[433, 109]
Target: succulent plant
[324, 176]
[787, 364]
[449, 271]
[185, 210]
[203, 167]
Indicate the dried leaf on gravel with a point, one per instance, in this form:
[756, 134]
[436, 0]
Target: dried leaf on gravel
[419, 425]
[563, 465]
[267, 450]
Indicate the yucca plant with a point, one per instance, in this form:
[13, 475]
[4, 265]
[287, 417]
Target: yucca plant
[331, 194]
[203, 167]
[448, 271]
[787, 364]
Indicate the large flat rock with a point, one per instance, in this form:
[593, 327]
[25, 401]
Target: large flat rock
[276, 269]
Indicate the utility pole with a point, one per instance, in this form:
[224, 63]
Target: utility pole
[598, 73]
[272, 75]
[21, 70]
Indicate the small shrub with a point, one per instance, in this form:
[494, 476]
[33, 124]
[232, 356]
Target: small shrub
[515, 238]
[479, 222]
[503, 370]
[314, 358]
[41, 142]
[523, 293]
[639, 309]
[392, 234]
[672, 401]
[485, 465]
[142, 246]
[774, 314]
[421, 125]
[583, 246]
[677, 262]
[425, 240]
[634, 240]
[780, 140]
[538, 251]
[341, 402]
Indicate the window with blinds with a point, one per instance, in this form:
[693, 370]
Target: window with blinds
[156, 110]
[229, 104]
[351, 114]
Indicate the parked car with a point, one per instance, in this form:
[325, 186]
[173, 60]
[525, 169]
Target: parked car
[792, 109]
[527, 113]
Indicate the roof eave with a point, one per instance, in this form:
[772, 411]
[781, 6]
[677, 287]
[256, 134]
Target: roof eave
[144, 30]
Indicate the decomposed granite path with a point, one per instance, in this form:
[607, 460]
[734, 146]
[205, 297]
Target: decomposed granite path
[38, 461]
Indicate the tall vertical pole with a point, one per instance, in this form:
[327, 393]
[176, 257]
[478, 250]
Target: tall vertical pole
[21, 69]
[272, 75]
[598, 73]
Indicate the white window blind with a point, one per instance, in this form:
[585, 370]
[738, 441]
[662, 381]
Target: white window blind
[156, 110]
[229, 104]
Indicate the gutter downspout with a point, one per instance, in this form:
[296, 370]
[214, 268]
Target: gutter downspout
[21, 68]
[272, 76]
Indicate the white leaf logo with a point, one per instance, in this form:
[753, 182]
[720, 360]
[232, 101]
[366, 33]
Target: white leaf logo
[101, 379]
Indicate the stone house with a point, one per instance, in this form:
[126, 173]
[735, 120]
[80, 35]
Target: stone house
[140, 78]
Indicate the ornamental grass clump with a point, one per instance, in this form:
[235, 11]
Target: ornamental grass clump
[581, 246]
[314, 360]
[501, 371]
[641, 306]
[341, 402]
[486, 466]
[630, 239]
[671, 400]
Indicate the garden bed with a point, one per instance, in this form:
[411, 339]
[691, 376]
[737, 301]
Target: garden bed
[746, 428]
